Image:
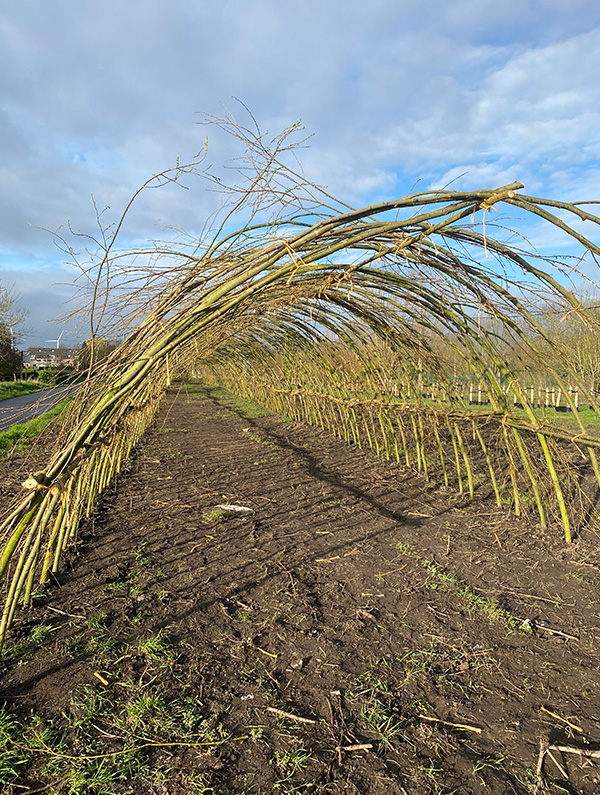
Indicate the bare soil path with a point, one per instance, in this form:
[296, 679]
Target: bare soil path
[358, 630]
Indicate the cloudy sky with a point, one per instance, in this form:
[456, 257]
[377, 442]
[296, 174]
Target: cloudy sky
[97, 96]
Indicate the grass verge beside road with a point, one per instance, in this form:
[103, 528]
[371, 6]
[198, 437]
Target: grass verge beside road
[19, 437]
[11, 389]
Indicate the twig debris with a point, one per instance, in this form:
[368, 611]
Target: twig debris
[289, 715]
[463, 726]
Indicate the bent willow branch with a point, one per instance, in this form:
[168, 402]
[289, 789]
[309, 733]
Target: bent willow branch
[420, 327]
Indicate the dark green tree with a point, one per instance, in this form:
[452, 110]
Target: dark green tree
[11, 317]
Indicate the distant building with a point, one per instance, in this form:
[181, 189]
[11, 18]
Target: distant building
[42, 358]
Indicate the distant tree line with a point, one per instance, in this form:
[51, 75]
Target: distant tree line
[10, 319]
[94, 350]
[564, 334]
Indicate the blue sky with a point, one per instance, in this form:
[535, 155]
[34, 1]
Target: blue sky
[95, 97]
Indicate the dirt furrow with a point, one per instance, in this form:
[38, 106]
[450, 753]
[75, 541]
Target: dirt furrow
[355, 629]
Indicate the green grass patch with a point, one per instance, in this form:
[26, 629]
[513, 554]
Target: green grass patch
[566, 419]
[563, 419]
[10, 389]
[19, 437]
[106, 737]
[473, 602]
[246, 408]
[214, 515]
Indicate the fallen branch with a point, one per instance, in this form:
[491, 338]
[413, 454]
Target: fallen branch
[557, 632]
[573, 726]
[63, 613]
[563, 772]
[359, 747]
[268, 653]
[47, 786]
[546, 748]
[133, 749]
[393, 571]
[463, 726]
[289, 715]
[570, 749]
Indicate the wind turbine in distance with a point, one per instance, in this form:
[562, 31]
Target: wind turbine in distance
[57, 341]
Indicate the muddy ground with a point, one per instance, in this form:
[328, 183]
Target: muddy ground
[358, 630]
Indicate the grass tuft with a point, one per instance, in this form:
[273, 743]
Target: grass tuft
[18, 438]
[11, 389]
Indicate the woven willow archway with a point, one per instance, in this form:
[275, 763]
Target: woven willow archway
[353, 321]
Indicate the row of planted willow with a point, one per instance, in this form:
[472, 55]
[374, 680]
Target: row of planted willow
[50, 515]
[484, 452]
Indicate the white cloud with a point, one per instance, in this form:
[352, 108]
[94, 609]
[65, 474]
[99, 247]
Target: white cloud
[472, 176]
[96, 97]
[48, 295]
[534, 107]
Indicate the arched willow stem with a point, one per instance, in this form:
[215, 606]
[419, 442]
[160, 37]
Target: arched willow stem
[354, 322]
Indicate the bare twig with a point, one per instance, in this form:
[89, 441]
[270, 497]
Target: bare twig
[546, 749]
[463, 726]
[289, 715]
[558, 632]
[63, 613]
[569, 723]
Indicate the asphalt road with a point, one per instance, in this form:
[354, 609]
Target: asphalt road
[26, 407]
